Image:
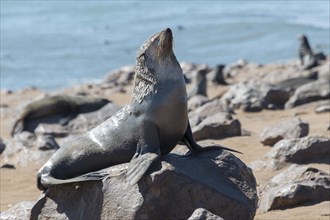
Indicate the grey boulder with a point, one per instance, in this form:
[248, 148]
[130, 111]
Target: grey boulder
[310, 92]
[19, 211]
[86, 121]
[203, 214]
[120, 77]
[173, 189]
[298, 185]
[217, 126]
[196, 101]
[254, 95]
[301, 151]
[285, 129]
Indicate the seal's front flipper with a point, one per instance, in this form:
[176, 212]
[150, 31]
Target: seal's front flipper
[18, 127]
[138, 166]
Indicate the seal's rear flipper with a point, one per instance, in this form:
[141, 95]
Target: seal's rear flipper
[138, 166]
[214, 147]
[190, 142]
[46, 181]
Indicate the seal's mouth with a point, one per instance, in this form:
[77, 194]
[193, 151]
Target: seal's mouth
[165, 42]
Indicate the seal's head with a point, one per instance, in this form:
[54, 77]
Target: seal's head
[158, 47]
[302, 38]
[155, 63]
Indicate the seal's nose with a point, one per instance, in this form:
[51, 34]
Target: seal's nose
[168, 30]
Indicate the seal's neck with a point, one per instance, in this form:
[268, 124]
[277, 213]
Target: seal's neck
[144, 81]
[150, 75]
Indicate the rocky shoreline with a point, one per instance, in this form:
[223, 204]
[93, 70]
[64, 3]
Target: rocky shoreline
[276, 114]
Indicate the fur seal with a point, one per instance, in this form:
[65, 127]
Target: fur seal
[151, 125]
[199, 84]
[218, 76]
[63, 105]
[306, 55]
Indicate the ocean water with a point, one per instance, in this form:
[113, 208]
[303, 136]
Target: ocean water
[54, 44]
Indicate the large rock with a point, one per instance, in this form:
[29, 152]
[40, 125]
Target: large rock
[293, 83]
[214, 120]
[203, 214]
[217, 126]
[297, 185]
[286, 129]
[301, 151]
[86, 121]
[310, 92]
[254, 95]
[209, 108]
[173, 189]
[27, 148]
[120, 77]
[19, 211]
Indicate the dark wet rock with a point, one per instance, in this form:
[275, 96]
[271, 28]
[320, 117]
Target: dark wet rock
[285, 129]
[222, 184]
[87, 121]
[254, 95]
[301, 151]
[19, 211]
[310, 92]
[219, 125]
[296, 186]
[203, 214]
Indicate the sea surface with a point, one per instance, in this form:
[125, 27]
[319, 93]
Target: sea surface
[55, 44]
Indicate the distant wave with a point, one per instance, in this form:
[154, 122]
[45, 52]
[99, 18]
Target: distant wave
[316, 22]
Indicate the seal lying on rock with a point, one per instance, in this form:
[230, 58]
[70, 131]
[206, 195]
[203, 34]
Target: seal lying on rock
[151, 125]
[63, 105]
